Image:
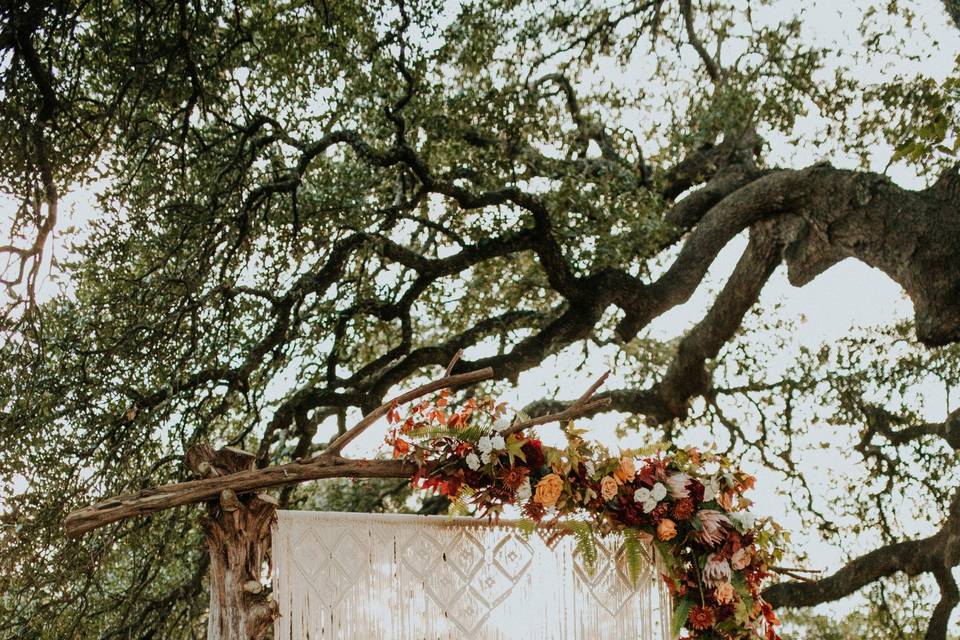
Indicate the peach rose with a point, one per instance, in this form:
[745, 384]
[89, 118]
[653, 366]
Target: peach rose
[626, 471]
[666, 530]
[548, 490]
[740, 559]
[724, 593]
[608, 488]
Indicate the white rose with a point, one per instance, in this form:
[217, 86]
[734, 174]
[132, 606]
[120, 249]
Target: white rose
[525, 491]
[498, 442]
[745, 519]
[643, 497]
[502, 423]
[485, 457]
[659, 492]
[473, 461]
[485, 444]
[649, 498]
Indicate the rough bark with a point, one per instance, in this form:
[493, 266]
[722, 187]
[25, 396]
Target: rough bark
[934, 554]
[237, 533]
[912, 236]
[174, 495]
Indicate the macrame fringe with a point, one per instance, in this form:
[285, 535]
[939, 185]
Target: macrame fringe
[358, 576]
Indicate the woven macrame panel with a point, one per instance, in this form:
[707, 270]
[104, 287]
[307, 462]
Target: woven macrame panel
[353, 576]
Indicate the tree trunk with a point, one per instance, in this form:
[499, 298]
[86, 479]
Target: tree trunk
[238, 538]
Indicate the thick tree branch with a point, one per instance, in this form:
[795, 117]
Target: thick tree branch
[686, 376]
[827, 215]
[711, 65]
[949, 598]
[912, 557]
[882, 422]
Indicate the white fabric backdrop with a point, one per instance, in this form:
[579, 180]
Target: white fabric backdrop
[352, 576]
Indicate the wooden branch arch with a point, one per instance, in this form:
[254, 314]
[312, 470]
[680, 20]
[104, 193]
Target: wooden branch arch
[239, 515]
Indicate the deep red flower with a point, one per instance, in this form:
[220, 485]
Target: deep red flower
[475, 479]
[660, 512]
[533, 452]
[695, 488]
[647, 474]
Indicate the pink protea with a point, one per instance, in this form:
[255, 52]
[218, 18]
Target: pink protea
[677, 483]
[716, 571]
[713, 523]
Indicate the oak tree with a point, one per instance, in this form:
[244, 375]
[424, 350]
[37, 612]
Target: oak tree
[299, 205]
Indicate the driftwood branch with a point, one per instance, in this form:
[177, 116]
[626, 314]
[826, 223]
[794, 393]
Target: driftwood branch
[329, 464]
[583, 405]
[178, 494]
[441, 383]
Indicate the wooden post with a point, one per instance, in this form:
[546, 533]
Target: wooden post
[238, 538]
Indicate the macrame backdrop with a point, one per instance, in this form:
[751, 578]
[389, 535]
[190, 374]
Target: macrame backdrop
[359, 576]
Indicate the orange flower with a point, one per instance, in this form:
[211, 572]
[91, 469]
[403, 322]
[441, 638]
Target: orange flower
[724, 593]
[626, 471]
[747, 482]
[666, 530]
[548, 490]
[514, 477]
[608, 488]
[683, 509]
[701, 618]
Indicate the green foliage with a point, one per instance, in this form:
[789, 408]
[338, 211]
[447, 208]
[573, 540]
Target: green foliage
[634, 549]
[586, 546]
[679, 617]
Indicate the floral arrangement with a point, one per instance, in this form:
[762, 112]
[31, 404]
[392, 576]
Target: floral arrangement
[688, 504]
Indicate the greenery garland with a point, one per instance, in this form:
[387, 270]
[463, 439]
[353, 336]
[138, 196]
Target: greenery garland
[688, 504]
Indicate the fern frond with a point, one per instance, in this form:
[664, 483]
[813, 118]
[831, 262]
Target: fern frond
[470, 434]
[636, 554]
[526, 527]
[586, 543]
